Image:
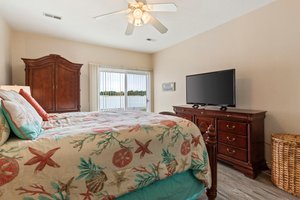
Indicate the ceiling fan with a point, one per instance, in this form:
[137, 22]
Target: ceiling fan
[139, 14]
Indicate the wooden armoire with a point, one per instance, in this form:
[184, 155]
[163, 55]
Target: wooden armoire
[54, 83]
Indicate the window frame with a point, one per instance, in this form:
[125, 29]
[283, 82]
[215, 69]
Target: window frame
[128, 71]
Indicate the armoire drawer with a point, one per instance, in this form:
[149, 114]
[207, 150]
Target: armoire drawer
[185, 116]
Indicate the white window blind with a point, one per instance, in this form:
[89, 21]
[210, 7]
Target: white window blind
[124, 90]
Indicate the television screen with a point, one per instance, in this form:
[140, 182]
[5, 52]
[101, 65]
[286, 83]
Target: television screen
[214, 88]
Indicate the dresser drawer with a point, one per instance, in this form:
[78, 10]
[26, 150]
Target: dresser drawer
[204, 122]
[233, 152]
[232, 127]
[185, 116]
[232, 139]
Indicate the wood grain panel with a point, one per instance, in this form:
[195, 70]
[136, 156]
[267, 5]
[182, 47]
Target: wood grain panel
[232, 152]
[67, 86]
[245, 132]
[233, 127]
[54, 82]
[42, 86]
[232, 139]
[233, 185]
[204, 122]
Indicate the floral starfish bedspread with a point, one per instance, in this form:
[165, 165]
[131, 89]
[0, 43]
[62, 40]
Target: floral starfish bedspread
[100, 156]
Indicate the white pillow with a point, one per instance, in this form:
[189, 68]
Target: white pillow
[17, 98]
[22, 122]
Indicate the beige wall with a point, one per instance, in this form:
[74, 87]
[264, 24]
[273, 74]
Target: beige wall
[28, 45]
[263, 46]
[5, 64]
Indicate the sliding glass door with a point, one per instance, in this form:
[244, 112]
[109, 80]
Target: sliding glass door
[124, 90]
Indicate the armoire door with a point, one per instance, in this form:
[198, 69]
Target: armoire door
[42, 85]
[67, 88]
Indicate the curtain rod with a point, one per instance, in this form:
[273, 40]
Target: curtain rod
[120, 67]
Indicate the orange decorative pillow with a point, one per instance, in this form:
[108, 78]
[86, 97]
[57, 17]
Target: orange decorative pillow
[35, 104]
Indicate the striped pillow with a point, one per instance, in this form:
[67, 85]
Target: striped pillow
[17, 98]
[22, 122]
[4, 128]
[34, 104]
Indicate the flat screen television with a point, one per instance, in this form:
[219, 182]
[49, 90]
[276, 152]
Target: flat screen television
[213, 88]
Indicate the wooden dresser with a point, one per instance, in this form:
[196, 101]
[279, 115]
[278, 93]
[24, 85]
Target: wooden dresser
[240, 135]
[54, 83]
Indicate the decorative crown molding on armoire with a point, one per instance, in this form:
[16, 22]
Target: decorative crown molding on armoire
[54, 83]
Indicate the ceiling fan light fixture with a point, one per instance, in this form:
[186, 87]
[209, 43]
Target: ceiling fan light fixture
[131, 18]
[138, 22]
[146, 17]
[146, 8]
[137, 13]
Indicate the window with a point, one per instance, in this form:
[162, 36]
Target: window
[124, 89]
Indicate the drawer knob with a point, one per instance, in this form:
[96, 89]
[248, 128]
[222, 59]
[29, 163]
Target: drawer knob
[230, 127]
[230, 151]
[230, 139]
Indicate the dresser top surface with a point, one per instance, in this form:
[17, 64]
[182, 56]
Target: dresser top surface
[216, 108]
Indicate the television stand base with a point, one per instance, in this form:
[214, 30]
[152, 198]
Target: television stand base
[196, 106]
[224, 108]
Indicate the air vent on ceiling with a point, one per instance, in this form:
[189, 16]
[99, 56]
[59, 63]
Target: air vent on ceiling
[52, 16]
[150, 40]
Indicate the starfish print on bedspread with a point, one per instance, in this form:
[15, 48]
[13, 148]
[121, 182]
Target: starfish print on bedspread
[87, 195]
[66, 186]
[119, 178]
[143, 148]
[184, 164]
[195, 140]
[42, 158]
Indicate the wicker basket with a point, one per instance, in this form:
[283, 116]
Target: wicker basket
[286, 162]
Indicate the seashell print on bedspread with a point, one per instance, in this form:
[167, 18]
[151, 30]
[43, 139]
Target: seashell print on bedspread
[92, 155]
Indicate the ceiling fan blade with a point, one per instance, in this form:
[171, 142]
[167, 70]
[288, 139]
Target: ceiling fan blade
[129, 30]
[131, 1]
[111, 13]
[157, 24]
[142, 1]
[162, 7]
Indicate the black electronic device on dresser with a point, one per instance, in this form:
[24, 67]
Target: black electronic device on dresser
[213, 88]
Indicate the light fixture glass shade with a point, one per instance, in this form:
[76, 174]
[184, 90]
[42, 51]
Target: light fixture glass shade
[145, 17]
[130, 18]
[138, 22]
[137, 13]
[16, 88]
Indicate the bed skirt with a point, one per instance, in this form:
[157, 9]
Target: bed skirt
[186, 185]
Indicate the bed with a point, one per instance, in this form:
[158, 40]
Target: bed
[110, 155]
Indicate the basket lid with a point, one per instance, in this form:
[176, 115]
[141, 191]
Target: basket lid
[286, 137]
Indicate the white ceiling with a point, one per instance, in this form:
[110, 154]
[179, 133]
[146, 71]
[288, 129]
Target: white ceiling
[193, 17]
